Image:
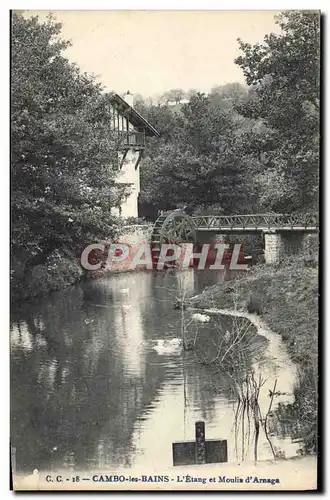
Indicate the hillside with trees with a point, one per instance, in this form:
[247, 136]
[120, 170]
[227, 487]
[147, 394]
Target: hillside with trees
[251, 148]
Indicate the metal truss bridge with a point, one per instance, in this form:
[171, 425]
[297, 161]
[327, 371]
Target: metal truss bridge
[257, 223]
[178, 227]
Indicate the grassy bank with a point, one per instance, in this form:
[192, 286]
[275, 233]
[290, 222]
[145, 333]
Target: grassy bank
[287, 297]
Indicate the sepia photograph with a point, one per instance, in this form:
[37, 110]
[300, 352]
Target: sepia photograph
[164, 261]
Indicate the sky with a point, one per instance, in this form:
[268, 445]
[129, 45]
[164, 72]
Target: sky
[149, 52]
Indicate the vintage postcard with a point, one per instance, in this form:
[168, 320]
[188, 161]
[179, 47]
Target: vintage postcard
[164, 260]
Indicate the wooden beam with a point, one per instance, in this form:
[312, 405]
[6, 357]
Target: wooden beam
[123, 159]
[141, 151]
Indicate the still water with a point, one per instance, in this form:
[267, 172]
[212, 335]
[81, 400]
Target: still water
[91, 388]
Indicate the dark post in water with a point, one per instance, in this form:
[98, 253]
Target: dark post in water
[200, 442]
[200, 451]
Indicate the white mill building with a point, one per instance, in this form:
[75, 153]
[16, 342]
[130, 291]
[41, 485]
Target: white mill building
[128, 122]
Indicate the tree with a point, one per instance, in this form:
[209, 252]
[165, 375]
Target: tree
[138, 100]
[191, 93]
[64, 159]
[164, 98]
[198, 164]
[284, 73]
[160, 99]
[225, 96]
[176, 95]
[229, 90]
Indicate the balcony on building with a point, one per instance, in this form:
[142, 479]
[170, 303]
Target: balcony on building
[134, 139]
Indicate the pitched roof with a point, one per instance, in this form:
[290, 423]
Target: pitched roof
[134, 116]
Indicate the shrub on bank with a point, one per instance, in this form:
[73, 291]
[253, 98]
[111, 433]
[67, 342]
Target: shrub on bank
[56, 273]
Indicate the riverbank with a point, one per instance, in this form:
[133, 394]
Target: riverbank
[287, 299]
[62, 268]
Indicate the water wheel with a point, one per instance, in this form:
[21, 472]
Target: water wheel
[172, 228]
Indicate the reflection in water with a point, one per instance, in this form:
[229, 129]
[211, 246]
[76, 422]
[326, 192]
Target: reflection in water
[21, 339]
[129, 331]
[89, 391]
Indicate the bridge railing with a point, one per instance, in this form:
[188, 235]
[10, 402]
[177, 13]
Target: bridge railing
[258, 221]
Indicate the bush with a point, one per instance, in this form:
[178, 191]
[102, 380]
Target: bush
[56, 273]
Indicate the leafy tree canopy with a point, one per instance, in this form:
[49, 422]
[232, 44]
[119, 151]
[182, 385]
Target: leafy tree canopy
[64, 159]
[196, 163]
[245, 148]
[283, 73]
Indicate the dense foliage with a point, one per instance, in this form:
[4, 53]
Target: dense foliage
[284, 72]
[244, 149]
[197, 162]
[63, 160]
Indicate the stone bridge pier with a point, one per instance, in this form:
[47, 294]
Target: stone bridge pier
[273, 247]
[279, 244]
